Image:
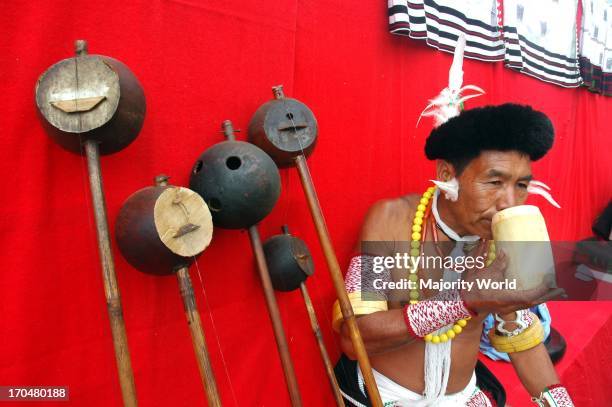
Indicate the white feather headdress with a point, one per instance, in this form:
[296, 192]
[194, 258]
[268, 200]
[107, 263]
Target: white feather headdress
[449, 102]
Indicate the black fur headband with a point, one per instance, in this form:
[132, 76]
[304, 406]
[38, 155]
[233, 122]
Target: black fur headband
[504, 128]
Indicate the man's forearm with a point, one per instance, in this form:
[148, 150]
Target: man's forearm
[386, 330]
[381, 332]
[535, 369]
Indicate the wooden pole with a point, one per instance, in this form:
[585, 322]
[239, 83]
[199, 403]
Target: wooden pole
[197, 337]
[111, 290]
[314, 323]
[338, 281]
[195, 326]
[277, 324]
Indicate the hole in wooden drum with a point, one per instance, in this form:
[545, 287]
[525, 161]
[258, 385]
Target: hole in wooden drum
[233, 162]
[289, 116]
[214, 204]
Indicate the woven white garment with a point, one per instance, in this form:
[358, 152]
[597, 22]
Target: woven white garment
[438, 355]
[391, 392]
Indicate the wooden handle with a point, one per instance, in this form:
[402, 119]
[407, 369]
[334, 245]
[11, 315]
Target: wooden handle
[197, 337]
[277, 324]
[314, 323]
[111, 290]
[338, 281]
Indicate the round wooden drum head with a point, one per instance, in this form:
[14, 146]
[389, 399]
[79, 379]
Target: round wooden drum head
[79, 94]
[183, 221]
[290, 125]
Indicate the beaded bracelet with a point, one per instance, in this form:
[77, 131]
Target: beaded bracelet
[523, 320]
[529, 338]
[555, 395]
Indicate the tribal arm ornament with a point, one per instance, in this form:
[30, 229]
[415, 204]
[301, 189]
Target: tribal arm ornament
[554, 396]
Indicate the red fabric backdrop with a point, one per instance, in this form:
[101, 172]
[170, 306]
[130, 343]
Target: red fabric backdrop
[201, 62]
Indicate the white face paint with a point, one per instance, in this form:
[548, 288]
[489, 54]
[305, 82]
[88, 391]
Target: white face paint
[450, 188]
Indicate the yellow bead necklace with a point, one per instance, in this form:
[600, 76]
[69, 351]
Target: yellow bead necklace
[416, 249]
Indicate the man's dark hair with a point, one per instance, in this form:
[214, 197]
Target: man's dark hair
[507, 127]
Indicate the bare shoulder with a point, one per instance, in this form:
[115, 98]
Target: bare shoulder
[387, 219]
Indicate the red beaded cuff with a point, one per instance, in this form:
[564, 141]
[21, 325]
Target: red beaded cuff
[554, 395]
[435, 313]
[407, 321]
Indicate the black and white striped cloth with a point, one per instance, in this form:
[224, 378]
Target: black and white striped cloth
[440, 22]
[596, 45]
[537, 38]
[540, 38]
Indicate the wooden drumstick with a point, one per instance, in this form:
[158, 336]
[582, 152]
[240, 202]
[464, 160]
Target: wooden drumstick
[287, 130]
[290, 263]
[193, 314]
[329, 368]
[94, 104]
[338, 281]
[111, 289]
[241, 184]
[160, 230]
[275, 317]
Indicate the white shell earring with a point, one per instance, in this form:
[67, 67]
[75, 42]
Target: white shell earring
[450, 188]
[540, 188]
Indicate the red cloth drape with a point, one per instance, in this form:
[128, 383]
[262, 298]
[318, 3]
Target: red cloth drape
[200, 63]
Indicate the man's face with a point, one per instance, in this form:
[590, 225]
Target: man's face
[493, 181]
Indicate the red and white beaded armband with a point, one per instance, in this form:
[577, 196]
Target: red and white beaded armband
[554, 396]
[435, 313]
